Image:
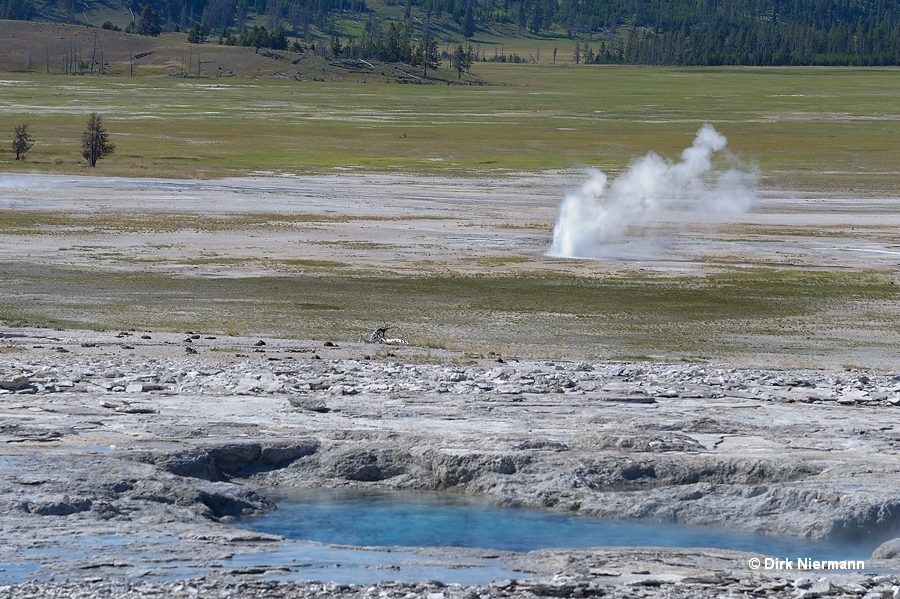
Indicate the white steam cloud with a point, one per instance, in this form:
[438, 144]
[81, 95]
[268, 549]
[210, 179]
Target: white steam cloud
[595, 217]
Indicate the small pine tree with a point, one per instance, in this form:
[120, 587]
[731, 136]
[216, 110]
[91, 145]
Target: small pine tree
[430, 58]
[95, 142]
[198, 33]
[469, 22]
[278, 39]
[148, 22]
[460, 61]
[22, 142]
[335, 46]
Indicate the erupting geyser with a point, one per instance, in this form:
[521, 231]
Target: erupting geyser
[596, 215]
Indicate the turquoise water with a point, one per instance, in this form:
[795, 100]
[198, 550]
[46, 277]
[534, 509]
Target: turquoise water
[380, 519]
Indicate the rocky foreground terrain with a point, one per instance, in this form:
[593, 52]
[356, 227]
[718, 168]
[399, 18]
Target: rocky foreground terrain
[126, 455]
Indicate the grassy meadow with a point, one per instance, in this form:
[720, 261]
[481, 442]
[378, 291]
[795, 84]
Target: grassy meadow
[817, 130]
[833, 130]
[789, 317]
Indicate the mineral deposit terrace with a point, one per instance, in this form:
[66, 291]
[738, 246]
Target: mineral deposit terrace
[147, 444]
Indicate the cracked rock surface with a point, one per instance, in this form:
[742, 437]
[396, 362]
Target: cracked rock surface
[120, 469]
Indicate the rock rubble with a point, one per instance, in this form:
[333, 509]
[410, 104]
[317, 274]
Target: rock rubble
[610, 381]
[713, 586]
[154, 444]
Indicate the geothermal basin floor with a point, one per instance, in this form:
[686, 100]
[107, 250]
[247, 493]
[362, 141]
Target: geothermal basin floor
[127, 455]
[148, 455]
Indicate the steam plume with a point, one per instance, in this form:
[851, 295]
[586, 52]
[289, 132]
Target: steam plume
[596, 216]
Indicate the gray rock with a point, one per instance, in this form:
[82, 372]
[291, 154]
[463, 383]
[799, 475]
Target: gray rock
[248, 386]
[820, 588]
[15, 383]
[365, 466]
[309, 403]
[61, 507]
[280, 455]
[887, 550]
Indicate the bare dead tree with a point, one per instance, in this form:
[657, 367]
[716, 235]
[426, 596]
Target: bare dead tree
[94, 54]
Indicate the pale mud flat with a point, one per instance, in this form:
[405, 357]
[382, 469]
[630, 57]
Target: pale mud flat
[123, 459]
[408, 224]
[356, 225]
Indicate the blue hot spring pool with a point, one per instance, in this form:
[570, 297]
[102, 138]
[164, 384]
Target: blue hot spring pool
[412, 519]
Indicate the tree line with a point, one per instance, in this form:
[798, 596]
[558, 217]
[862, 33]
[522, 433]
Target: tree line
[664, 32]
[394, 44]
[769, 43]
[95, 143]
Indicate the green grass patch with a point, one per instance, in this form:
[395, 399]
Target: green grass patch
[23, 222]
[30, 222]
[301, 263]
[668, 318]
[214, 260]
[358, 245]
[803, 128]
[499, 260]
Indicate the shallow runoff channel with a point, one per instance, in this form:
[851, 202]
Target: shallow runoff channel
[409, 520]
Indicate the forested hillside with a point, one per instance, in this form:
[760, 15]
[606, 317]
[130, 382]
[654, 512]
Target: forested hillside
[659, 32]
